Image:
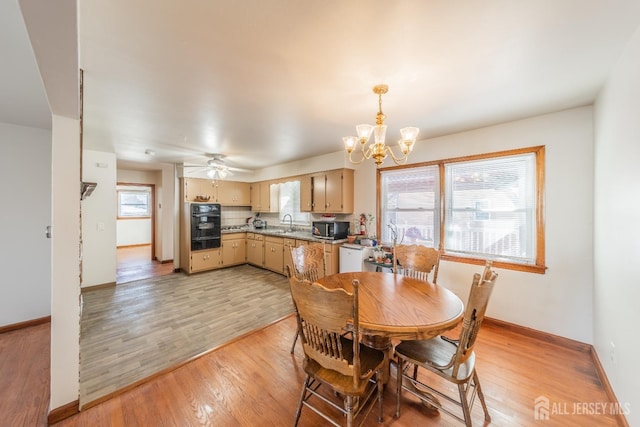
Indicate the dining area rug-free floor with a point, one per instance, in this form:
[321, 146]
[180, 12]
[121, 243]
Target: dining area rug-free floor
[131, 331]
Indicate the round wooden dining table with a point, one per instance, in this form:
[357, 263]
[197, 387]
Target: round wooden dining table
[395, 306]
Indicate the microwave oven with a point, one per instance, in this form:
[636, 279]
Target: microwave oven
[332, 230]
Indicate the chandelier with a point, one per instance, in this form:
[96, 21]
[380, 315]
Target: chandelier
[378, 150]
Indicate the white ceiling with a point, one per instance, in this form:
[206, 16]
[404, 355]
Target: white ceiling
[267, 82]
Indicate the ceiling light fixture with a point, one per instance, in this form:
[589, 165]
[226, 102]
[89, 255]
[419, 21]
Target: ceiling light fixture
[378, 150]
[217, 173]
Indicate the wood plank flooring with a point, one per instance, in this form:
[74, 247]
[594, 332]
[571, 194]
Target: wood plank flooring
[254, 381]
[132, 331]
[25, 376]
[135, 263]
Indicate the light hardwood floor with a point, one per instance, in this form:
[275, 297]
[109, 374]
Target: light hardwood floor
[254, 381]
[134, 330]
[135, 263]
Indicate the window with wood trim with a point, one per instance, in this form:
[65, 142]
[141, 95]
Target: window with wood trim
[475, 208]
[133, 204]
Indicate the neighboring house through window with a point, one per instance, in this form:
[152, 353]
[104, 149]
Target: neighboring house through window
[475, 208]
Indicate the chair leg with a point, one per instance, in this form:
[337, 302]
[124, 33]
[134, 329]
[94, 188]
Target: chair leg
[302, 395]
[399, 368]
[462, 390]
[348, 406]
[476, 381]
[293, 346]
[380, 391]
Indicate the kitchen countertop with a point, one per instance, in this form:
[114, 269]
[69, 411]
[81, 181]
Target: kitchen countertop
[300, 235]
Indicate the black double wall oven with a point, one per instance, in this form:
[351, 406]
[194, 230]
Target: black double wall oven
[205, 226]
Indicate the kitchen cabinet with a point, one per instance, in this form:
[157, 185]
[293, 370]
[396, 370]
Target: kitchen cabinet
[288, 244]
[331, 259]
[193, 187]
[205, 260]
[274, 254]
[264, 197]
[331, 253]
[255, 249]
[227, 193]
[233, 193]
[306, 193]
[234, 249]
[329, 192]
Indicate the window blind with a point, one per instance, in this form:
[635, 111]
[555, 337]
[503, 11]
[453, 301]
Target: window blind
[490, 208]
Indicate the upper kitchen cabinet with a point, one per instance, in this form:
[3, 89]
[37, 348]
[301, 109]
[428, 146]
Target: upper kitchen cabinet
[329, 192]
[264, 197]
[306, 193]
[227, 193]
[192, 188]
[233, 193]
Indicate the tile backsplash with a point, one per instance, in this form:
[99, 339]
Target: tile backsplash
[237, 215]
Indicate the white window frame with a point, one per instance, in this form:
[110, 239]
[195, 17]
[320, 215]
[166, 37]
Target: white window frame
[534, 263]
[289, 203]
[122, 193]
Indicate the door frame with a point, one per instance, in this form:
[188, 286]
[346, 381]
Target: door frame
[152, 203]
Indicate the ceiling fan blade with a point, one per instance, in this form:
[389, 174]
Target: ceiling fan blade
[216, 162]
[231, 168]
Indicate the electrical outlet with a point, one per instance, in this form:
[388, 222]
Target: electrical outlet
[612, 353]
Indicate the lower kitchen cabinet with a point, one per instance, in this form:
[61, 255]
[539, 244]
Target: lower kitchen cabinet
[274, 254]
[331, 254]
[234, 250]
[205, 260]
[255, 249]
[332, 259]
[264, 251]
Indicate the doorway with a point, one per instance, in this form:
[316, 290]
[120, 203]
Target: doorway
[135, 235]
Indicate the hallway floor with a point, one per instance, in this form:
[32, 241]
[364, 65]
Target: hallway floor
[135, 263]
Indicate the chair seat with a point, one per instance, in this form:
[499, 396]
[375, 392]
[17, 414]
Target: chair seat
[370, 361]
[436, 352]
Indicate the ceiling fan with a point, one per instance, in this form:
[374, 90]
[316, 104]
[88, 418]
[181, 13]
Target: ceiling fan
[217, 169]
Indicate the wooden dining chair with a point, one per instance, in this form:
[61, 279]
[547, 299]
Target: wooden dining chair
[307, 263]
[417, 261]
[451, 359]
[337, 366]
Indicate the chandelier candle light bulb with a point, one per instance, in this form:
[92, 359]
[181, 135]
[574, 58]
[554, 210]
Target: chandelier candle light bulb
[378, 150]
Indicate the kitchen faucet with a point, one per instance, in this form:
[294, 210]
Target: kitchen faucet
[290, 221]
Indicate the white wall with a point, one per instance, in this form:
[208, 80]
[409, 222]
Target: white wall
[617, 227]
[99, 219]
[559, 301]
[65, 268]
[25, 162]
[133, 232]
